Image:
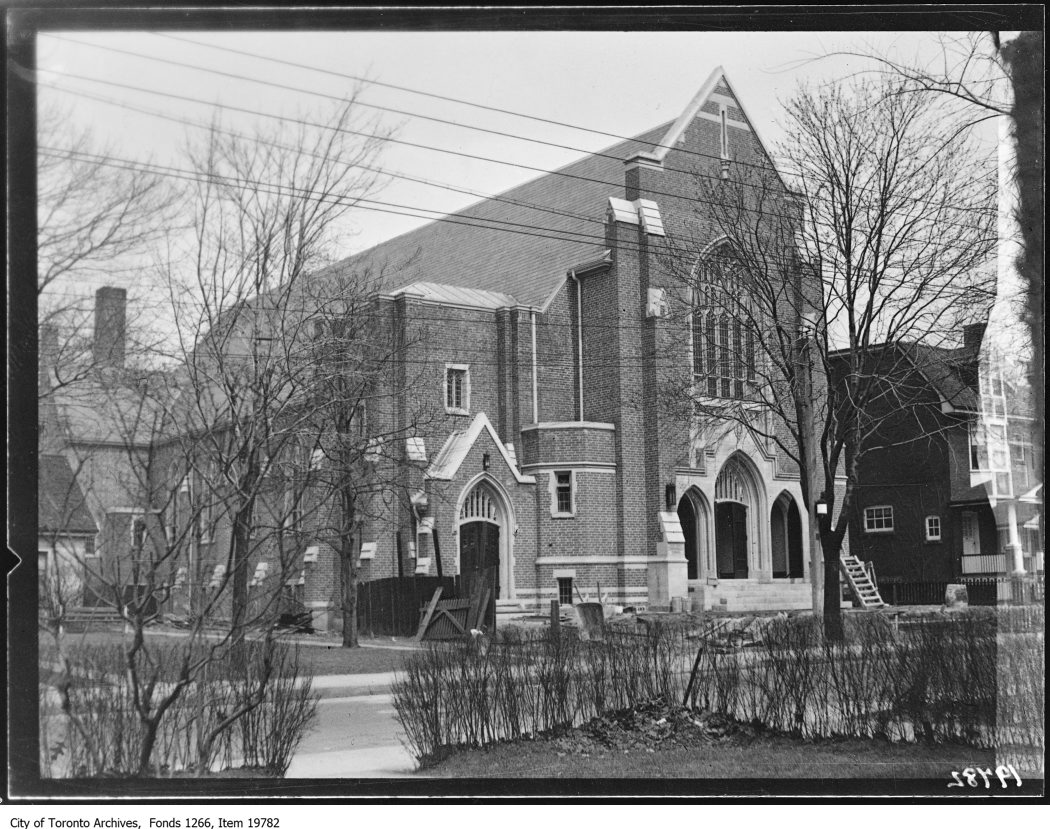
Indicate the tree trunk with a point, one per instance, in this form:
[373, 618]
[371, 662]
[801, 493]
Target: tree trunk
[240, 542]
[348, 582]
[831, 544]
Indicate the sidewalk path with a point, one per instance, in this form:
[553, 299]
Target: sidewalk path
[354, 736]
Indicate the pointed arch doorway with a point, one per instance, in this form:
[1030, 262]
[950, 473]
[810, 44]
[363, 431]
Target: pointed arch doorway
[484, 545]
[735, 501]
[785, 524]
[694, 517]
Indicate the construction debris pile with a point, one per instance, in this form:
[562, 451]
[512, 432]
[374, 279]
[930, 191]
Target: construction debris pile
[652, 726]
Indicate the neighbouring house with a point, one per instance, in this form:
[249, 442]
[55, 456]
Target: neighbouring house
[952, 487]
[96, 419]
[551, 463]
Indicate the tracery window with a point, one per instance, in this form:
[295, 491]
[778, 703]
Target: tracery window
[724, 362]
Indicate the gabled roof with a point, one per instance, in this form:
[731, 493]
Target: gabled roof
[945, 369]
[114, 412]
[458, 445]
[61, 503]
[529, 236]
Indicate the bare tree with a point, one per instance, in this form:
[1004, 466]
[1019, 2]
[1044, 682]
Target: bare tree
[96, 218]
[362, 412]
[979, 77]
[267, 213]
[156, 556]
[884, 237]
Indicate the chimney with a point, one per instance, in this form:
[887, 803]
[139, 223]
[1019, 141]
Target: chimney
[110, 308]
[973, 335]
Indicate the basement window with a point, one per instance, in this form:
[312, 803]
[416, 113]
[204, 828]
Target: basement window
[565, 591]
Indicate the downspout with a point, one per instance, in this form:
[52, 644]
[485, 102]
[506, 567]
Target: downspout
[579, 336]
[535, 385]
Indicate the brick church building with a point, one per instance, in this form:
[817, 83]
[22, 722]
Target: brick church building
[553, 458]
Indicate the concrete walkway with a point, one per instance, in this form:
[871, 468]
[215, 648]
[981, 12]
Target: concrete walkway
[356, 733]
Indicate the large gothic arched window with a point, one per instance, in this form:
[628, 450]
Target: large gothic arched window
[722, 327]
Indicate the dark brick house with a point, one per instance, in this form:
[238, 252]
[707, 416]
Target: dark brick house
[954, 489]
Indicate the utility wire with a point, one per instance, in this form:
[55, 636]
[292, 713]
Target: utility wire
[277, 145]
[407, 113]
[361, 79]
[560, 172]
[521, 229]
[457, 218]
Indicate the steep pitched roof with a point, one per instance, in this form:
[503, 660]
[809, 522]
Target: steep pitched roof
[521, 248]
[113, 411]
[61, 503]
[946, 370]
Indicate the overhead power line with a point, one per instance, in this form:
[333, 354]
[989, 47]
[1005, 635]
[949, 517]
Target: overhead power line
[560, 172]
[385, 207]
[515, 136]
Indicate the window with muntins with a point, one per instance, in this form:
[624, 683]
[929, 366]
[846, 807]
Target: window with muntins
[565, 590]
[457, 389]
[563, 500]
[933, 528]
[878, 520]
[723, 338]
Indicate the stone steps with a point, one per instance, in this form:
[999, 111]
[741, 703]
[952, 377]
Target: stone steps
[750, 595]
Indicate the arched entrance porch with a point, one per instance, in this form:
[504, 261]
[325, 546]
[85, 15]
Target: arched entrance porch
[738, 499]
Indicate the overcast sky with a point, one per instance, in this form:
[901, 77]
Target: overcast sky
[618, 83]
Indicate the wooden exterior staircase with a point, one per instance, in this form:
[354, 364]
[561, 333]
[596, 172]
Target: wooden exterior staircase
[861, 584]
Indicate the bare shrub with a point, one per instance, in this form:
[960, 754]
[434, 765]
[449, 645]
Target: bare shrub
[253, 717]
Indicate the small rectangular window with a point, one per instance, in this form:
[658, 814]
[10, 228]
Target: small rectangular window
[878, 520]
[138, 532]
[933, 528]
[563, 495]
[565, 590]
[457, 390]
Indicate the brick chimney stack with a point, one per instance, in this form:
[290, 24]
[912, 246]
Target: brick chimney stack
[110, 313]
[973, 335]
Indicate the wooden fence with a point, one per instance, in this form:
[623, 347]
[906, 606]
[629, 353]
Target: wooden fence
[390, 607]
[987, 591]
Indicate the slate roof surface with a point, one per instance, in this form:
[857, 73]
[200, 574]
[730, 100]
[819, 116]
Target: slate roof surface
[61, 504]
[527, 264]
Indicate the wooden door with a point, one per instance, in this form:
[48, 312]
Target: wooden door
[739, 541]
[479, 562]
[971, 539]
[731, 540]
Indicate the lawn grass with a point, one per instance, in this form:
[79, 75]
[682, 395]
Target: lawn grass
[318, 657]
[766, 757]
